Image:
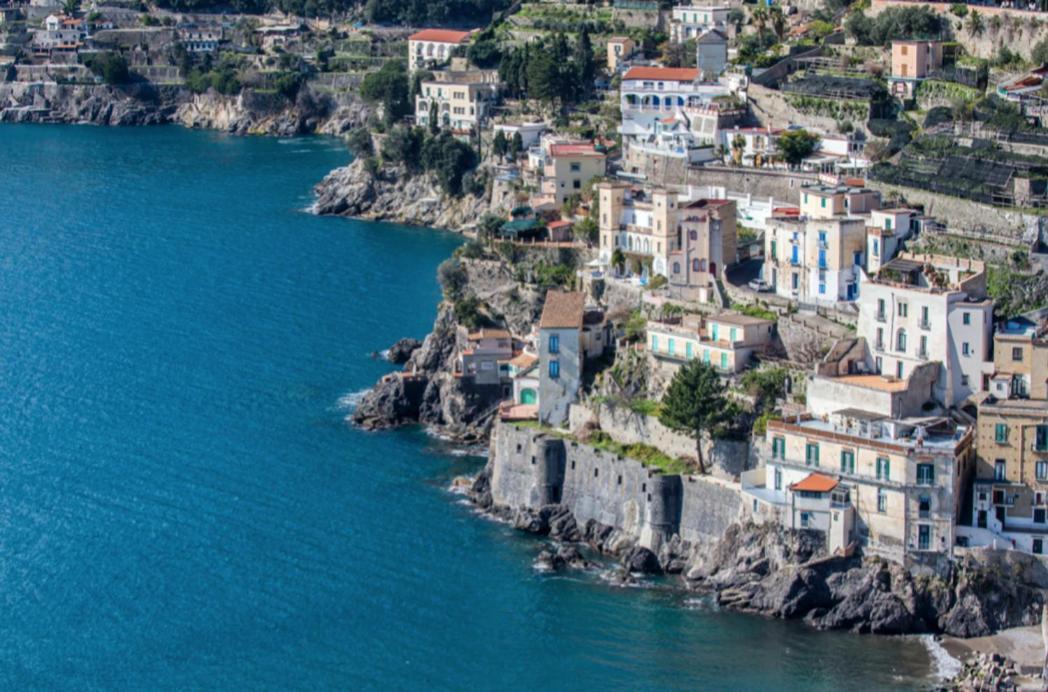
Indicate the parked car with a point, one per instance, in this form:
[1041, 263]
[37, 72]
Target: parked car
[759, 285]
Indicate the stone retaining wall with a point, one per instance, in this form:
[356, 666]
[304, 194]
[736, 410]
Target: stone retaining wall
[530, 469]
[724, 458]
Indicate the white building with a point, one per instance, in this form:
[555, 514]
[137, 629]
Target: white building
[61, 32]
[816, 256]
[561, 355]
[434, 46]
[711, 49]
[460, 105]
[926, 308]
[530, 133]
[691, 21]
[198, 39]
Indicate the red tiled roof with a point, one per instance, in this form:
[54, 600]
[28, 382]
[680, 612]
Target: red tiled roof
[815, 483]
[563, 223]
[855, 182]
[573, 150]
[440, 36]
[672, 74]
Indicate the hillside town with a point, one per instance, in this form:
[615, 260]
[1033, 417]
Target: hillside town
[793, 251]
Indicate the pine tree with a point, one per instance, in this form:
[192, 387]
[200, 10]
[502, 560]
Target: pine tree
[500, 146]
[585, 65]
[695, 404]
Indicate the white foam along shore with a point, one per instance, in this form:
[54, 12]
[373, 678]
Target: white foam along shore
[944, 665]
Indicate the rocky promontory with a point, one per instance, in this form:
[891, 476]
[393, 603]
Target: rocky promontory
[389, 194]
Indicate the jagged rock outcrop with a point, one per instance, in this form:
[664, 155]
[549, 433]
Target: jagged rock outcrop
[400, 352]
[392, 195]
[249, 112]
[788, 574]
[252, 112]
[495, 283]
[428, 392]
[133, 104]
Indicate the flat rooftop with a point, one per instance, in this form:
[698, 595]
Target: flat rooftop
[877, 382]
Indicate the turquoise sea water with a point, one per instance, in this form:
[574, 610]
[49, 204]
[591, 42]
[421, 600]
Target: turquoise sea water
[182, 504]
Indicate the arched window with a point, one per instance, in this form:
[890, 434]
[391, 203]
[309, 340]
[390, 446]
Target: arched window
[676, 267]
[693, 235]
[900, 341]
[695, 265]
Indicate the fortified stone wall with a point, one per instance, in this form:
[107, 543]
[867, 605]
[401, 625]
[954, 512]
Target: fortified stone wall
[530, 469]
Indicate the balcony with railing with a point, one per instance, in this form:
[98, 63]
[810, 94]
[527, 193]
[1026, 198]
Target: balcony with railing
[881, 316]
[925, 324]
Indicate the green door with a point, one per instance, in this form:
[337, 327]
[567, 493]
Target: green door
[527, 396]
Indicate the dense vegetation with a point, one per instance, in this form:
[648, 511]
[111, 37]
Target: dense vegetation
[550, 70]
[892, 24]
[410, 12]
[448, 159]
[111, 67]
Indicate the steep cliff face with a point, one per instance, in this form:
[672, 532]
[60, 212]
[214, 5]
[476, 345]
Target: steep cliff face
[428, 392]
[249, 112]
[390, 195]
[135, 104]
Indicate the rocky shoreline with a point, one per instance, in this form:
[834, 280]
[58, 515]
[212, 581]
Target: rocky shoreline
[140, 104]
[786, 574]
[389, 195]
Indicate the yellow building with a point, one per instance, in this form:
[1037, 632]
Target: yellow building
[901, 479]
[568, 167]
[726, 341]
[619, 47]
[1010, 495]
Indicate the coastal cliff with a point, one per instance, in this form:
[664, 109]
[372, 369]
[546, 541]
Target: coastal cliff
[698, 528]
[249, 112]
[428, 391]
[388, 194]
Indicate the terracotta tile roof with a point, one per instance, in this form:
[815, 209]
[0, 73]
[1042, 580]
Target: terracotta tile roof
[523, 360]
[554, 225]
[878, 382]
[440, 36]
[815, 483]
[672, 74]
[573, 150]
[489, 334]
[563, 310]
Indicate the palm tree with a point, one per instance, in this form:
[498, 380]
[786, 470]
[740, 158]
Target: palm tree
[738, 145]
[760, 18]
[779, 24]
[975, 25]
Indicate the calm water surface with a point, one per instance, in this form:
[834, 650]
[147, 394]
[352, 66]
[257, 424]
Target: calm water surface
[182, 504]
